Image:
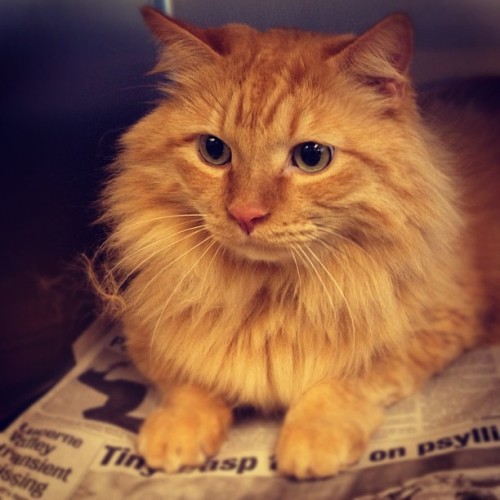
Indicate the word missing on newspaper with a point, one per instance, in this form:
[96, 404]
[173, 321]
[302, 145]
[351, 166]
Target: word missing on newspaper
[25, 462]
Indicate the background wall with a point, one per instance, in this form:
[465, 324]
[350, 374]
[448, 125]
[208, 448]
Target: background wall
[453, 37]
[71, 80]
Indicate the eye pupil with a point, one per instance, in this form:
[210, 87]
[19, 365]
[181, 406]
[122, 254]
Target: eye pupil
[215, 147]
[213, 150]
[311, 153]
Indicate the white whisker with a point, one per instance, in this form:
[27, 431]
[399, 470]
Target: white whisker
[202, 285]
[318, 275]
[336, 234]
[143, 222]
[186, 274]
[192, 231]
[292, 252]
[330, 248]
[171, 263]
[308, 263]
[339, 289]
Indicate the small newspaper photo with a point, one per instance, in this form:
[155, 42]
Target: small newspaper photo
[78, 441]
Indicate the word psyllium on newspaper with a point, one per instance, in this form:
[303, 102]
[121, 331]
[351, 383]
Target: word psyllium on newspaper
[78, 441]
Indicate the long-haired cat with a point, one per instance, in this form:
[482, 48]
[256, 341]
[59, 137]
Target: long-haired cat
[289, 229]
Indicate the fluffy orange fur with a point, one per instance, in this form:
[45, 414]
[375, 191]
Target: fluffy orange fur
[329, 294]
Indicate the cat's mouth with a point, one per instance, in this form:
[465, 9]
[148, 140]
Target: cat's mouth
[257, 246]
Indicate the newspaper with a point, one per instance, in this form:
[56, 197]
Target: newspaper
[78, 441]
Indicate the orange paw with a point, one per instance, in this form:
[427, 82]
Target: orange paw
[178, 435]
[326, 431]
[319, 447]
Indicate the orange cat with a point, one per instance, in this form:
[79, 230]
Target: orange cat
[290, 230]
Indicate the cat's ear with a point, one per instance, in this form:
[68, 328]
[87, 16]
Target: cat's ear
[186, 45]
[381, 57]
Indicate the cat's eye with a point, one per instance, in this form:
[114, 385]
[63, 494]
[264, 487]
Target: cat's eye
[213, 150]
[312, 156]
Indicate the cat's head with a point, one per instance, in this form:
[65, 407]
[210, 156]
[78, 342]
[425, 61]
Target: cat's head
[280, 140]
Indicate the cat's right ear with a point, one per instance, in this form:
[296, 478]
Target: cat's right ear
[187, 45]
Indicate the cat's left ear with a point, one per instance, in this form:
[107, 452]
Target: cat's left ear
[170, 31]
[184, 48]
[381, 56]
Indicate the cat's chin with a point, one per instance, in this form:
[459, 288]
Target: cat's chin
[259, 253]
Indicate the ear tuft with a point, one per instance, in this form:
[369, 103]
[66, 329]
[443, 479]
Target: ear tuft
[157, 22]
[167, 29]
[187, 47]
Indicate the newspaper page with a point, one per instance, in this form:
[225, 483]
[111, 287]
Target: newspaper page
[78, 441]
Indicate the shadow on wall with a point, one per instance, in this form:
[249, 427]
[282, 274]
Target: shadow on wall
[72, 81]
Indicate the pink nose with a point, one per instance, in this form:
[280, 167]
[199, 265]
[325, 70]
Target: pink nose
[248, 216]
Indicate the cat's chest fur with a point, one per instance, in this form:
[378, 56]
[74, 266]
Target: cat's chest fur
[258, 335]
[258, 364]
[254, 338]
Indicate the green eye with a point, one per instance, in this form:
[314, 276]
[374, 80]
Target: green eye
[312, 156]
[213, 150]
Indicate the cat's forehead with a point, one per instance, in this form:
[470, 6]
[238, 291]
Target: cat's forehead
[276, 50]
[271, 80]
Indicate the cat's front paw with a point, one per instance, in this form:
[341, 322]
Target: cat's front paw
[326, 431]
[176, 436]
[318, 447]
